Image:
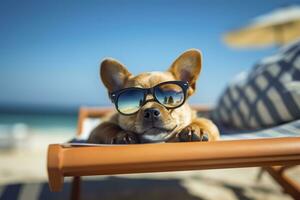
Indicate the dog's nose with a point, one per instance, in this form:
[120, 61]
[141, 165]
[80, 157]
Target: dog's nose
[151, 114]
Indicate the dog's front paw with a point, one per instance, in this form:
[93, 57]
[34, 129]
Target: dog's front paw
[125, 137]
[193, 132]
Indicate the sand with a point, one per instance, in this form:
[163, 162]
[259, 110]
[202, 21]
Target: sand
[27, 164]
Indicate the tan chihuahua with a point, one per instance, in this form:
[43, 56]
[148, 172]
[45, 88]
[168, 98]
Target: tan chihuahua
[152, 106]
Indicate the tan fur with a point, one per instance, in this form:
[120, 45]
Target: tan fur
[175, 123]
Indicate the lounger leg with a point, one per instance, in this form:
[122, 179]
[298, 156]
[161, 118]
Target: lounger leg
[289, 185]
[75, 191]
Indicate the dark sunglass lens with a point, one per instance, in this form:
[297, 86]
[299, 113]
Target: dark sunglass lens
[169, 94]
[130, 101]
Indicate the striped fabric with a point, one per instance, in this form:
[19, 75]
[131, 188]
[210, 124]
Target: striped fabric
[291, 129]
[267, 96]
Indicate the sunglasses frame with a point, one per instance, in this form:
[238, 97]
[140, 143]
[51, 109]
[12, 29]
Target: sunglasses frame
[114, 96]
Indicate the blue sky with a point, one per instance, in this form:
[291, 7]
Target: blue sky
[50, 51]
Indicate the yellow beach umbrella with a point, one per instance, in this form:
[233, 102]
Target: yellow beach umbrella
[278, 27]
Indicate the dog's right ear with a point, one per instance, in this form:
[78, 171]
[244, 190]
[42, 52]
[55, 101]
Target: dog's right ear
[113, 74]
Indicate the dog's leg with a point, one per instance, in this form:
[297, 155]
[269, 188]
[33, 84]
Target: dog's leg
[110, 133]
[200, 129]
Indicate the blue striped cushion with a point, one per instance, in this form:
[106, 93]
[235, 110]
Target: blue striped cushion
[291, 129]
[267, 96]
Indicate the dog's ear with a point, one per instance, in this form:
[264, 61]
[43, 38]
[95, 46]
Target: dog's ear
[113, 74]
[187, 67]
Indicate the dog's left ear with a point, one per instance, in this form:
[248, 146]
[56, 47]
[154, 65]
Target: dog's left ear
[187, 67]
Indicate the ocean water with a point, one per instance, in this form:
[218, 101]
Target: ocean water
[41, 121]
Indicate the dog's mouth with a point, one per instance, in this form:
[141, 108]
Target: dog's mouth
[157, 134]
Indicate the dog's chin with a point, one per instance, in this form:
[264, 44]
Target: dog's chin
[156, 135]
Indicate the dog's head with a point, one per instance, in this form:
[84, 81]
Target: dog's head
[154, 122]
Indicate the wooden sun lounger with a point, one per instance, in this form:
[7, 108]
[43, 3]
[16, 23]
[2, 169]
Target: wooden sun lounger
[141, 158]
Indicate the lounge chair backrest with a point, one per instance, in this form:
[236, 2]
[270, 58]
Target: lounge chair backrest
[267, 96]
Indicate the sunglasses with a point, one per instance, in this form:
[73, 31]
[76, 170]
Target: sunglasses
[171, 95]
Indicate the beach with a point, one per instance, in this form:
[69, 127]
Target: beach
[26, 164]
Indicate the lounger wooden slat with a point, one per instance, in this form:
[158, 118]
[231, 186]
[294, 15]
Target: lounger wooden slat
[141, 158]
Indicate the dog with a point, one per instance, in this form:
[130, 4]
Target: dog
[152, 106]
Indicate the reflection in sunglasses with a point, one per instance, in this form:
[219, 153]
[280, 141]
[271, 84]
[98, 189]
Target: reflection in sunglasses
[170, 94]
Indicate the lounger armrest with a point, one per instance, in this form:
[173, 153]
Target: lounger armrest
[141, 158]
[54, 166]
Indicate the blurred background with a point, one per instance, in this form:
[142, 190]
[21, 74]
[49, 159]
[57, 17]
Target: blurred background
[51, 50]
